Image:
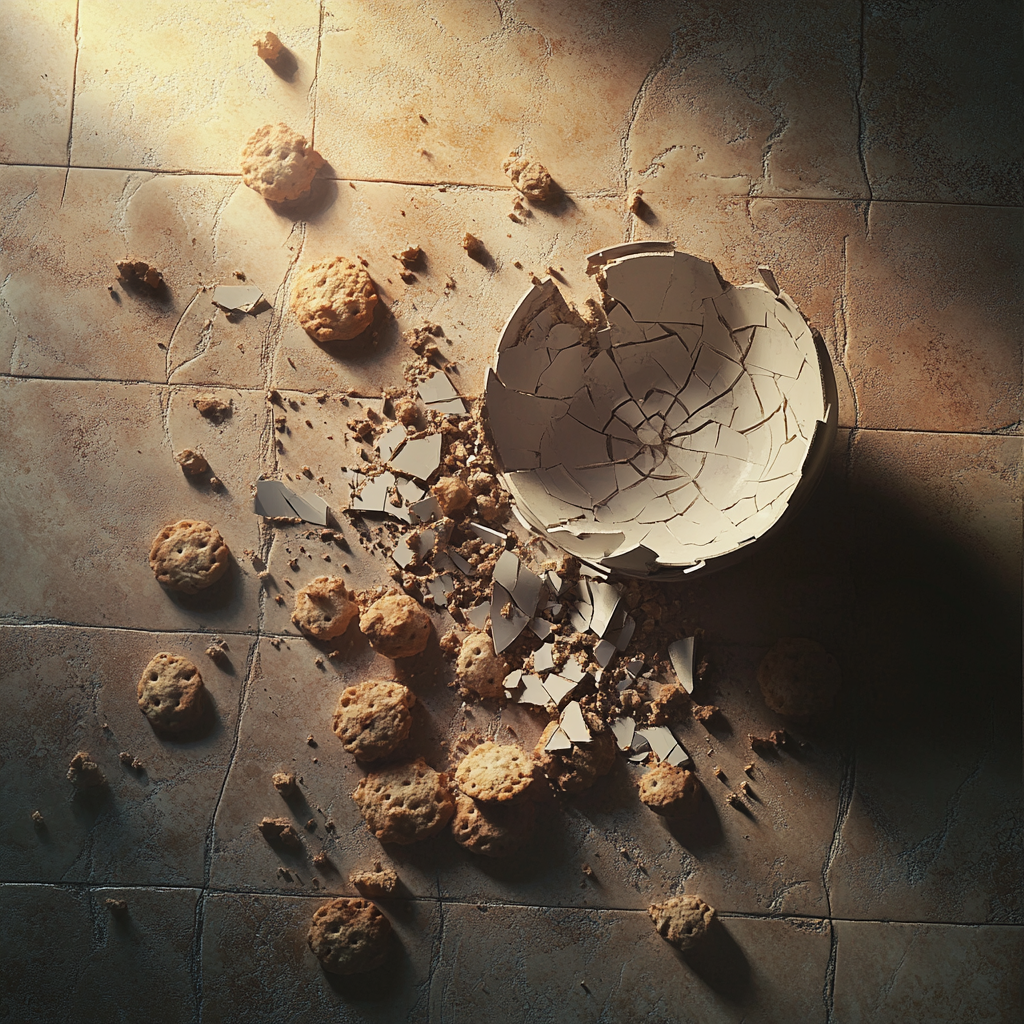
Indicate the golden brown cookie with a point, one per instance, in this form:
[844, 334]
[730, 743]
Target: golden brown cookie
[798, 678]
[575, 770]
[397, 626]
[334, 300]
[188, 555]
[671, 791]
[349, 936]
[171, 693]
[530, 177]
[495, 772]
[478, 668]
[378, 882]
[268, 46]
[279, 163]
[404, 803]
[280, 832]
[492, 829]
[373, 718]
[682, 920]
[324, 608]
[452, 494]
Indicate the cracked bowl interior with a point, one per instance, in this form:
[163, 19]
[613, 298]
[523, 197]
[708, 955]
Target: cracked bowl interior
[671, 438]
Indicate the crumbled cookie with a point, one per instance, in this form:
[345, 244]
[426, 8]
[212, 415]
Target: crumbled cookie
[495, 772]
[279, 163]
[575, 770]
[130, 761]
[682, 920]
[404, 803]
[268, 47]
[397, 626]
[798, 678]
[378, 882]
[118, 908]
[670, 705]
[530, 177]
[706, 713]
[139, 273]
[84, 773]
[171, 693]
[671, 791]
[212, 408]
[475, 249]
[373, 718]
[334, 300]
[407, 412]
[188, 555]
[284, 782]
[349, 936]
[324, 608]
[280, 832]
[452, 494]
[493, 829]
[37, 819]
[478, 668]
[191, 462]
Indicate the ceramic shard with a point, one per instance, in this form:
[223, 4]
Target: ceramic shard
[572, 723]
[237, 298]
[276, 501]
[419, 457]
[623, 730]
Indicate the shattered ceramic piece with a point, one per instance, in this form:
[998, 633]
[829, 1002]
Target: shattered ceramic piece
[276, 501]
[237, 298]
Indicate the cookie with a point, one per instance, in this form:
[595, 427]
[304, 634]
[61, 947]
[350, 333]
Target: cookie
[192, 462]
[798, 678]
[349, 936]
[334, 300]
[495, 772]
[378, 882]
[268, 46]
[405, 803]
[279, 163]
[373, 718]
[188, 555]
[682, 920]
[452, 494]
[575, 770]
[397, 626]
[324, 608]
[671, 791]
[83, 773]
[280, 832]
[171, 693]
[478, 668]
[493, 829]
[530, 177]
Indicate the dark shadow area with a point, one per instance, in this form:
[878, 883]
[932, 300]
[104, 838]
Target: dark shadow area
[697, 832]
[376, 986]
[285, 66]
[374, 343]
[217, 597]
[207, 727]
[323, 192]
[559, 205]
[720, 963]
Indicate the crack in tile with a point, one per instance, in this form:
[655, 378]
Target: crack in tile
[74, 91]
[858, 99]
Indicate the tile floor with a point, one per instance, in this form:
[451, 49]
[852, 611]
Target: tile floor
[870, 153]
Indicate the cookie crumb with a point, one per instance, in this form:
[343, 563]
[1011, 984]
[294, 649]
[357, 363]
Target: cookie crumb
[212, 408]
[119, 908]
[268, 46]
[475, 249]
[279, 832]
[379, 881]
[127, 759]
[192, 462]
[284, 783]
[84, 773]
[140, 274]
[37, 818]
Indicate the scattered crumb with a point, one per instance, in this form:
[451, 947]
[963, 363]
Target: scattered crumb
[140, 274]
[132, 762]
[192, 462]
[705, 713]
[212, 408]
[37, 818]
[530, 177]
[587, 870]
[636, 203]
[279, 832]
[84, 773]
[310, 740]
[215, 483]
[284, 782]
[475, 249]
[320, 859]
[119, 908]
[268, 47]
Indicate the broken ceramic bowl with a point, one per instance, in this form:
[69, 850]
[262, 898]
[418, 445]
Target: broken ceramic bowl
[671, 437]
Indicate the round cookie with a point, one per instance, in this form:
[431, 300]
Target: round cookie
[324, 608]
[798, 678]
[495, 772]
[493, 830]
[397, 626]
[404, 803]
[349, 936]
[671, 791]
[279, 163]
[188, 555]
[334, 300]
[373, 718]
[478, 668]
[575, 770]
[171, 693]
[682, 920]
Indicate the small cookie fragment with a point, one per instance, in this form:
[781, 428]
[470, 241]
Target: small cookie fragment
[475, 249]
[334, 300]
[530, 177]
[84, 773]
[798, 678]
[397, 626]
[324, 608]
[349, 936]
[188, 555]
[139, 274]
[171, 693]
[575, 770]
[495, 772]
[268, 47]
[37, 819]
[452, 494]
[671, 791]
[670, 705]
[279, 163]
[479, 669]
[372, 718]
[191, 462]
[493, 829]
[280, 832]
[682, 920]
[378, 882]
[117, 908]
[405, 803]
[212, 408]
[284, 782]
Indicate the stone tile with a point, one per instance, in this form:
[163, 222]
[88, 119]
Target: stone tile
[890, 973]
[589, 965]
[91, 966]
[940, 122]
[88, 505]
[374, 221]
[934, 318]
[184, 89]
[75, 689]
[257, 965]
[35, 95]
[737, 107]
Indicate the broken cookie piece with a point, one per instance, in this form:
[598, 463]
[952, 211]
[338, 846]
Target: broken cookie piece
[334, 300]
[268, 47]
[475, 249]
[139, 274]
[478, 668]
[212, 408]
[324, 608]
[284, 783]
[798, 678]
[84, 773]
[191, 462]
[380, 881]
[530, 177]
[373, 719]
[683, 921]
[397, 626]
[349, 936]
[280, 832]
[671, 791]
[279, 163]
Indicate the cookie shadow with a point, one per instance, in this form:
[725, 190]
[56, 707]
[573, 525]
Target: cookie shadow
[217, 597]
[379, 338]
[207, 726]
[391, 979]
[720, 963]
[285, 65]
[699, 831]
[311, 207]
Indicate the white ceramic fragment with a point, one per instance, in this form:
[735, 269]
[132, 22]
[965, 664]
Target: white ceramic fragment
[572, 723]
[276, 501]
[237, 298]
[419, 457]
